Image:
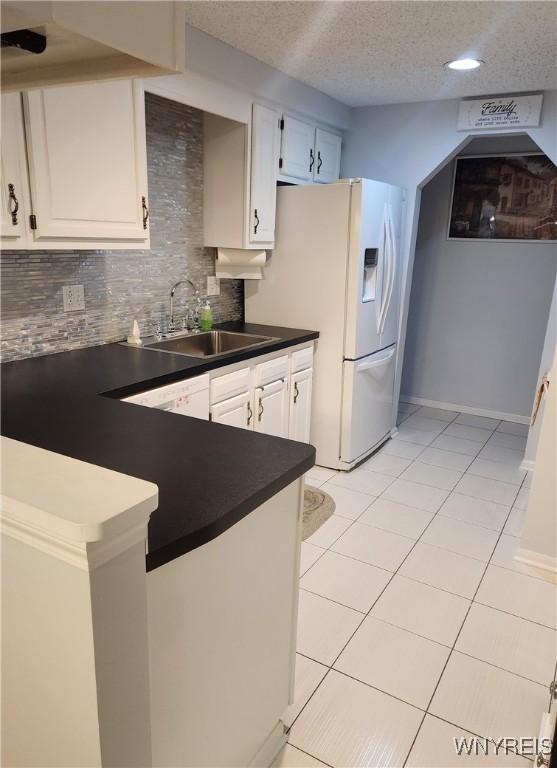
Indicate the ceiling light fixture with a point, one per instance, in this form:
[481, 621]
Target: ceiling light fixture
[463, 64]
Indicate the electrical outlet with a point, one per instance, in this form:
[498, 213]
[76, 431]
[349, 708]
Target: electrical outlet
[213, 285]
[74, 298]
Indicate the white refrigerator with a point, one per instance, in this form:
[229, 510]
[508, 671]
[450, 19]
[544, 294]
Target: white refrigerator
[336, 269]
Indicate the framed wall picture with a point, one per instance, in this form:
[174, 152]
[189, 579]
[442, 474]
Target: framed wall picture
[504, 197]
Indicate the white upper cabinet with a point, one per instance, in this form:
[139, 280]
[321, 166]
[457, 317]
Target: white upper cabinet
[87, 163]
[308, 154]
[263, 192]
[240, 180]
[327, 156]
[242, 164]
[91, 41]
[13, 179]
[297, 150]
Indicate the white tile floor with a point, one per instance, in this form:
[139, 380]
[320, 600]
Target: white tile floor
[416, 624]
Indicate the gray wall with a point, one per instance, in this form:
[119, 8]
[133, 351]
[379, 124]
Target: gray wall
[406, 144]
[120, 285]
[478, 311]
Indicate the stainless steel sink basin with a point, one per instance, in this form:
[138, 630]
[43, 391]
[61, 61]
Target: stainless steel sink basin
[209, 344]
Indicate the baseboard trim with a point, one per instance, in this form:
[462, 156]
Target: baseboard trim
[271, 747]
[466, 409]
[537, 560]
[527, 465]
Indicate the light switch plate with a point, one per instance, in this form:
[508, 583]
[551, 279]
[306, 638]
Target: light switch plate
[74, 298]
[213, 285]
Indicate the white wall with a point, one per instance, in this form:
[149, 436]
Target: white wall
[225, 81]
[406, 144]
[547, 358]
[538, 544]
[478, 311]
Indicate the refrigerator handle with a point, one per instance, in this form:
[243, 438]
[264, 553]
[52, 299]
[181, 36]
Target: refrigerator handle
[375, 363]
[392, 268]
[382, 284]
[386, 254]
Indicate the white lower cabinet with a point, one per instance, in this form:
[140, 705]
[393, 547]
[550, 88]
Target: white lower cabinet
[271, 408]
[272, 396]
[235, 411]
[300, 406]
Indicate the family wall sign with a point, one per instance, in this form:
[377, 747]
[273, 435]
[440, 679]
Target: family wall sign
[500, 112]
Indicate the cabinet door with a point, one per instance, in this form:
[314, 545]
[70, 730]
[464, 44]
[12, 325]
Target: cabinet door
[300, 406]
[271, 409]
[87, 161]
[14, 171]
[327, 156]
[236, 412]
[297, 149]
[264, 154]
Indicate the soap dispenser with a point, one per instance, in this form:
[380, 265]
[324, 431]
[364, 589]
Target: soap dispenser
[206, 317]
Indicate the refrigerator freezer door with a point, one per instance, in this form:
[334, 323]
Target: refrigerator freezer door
[367, 403]
[368, 268]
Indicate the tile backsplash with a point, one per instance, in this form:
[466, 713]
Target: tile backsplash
[121, 285]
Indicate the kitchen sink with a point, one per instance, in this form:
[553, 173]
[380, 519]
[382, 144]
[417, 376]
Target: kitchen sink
[209, 344]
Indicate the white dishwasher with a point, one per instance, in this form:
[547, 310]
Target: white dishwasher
[189, 397]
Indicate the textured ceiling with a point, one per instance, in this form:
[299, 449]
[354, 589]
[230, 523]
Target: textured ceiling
[377, 52]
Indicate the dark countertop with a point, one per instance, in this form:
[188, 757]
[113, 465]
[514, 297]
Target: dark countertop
[209, 475]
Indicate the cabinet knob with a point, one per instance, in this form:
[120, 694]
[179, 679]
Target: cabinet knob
[311, 160]
[256, 220]
[13, 204]
[319, 161]
[145, 211]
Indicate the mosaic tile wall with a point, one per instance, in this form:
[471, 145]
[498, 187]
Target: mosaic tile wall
[120, 285]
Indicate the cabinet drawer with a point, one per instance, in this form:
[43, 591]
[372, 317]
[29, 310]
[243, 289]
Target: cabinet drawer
[229, 385]
[301, 359]
[272, 370]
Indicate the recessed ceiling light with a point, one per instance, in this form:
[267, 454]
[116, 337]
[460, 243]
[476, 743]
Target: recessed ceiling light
[462, 64]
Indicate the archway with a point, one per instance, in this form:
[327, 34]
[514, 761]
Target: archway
[486, 144]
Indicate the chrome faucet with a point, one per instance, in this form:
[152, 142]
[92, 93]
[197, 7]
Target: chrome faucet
[172, 292]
